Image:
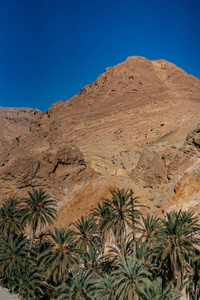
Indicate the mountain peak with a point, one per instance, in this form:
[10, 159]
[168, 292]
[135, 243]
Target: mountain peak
[80, 149]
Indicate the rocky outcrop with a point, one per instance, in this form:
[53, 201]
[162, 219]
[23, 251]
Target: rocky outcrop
[150, 170]
[19, 115]
[131, 128]
[15, 123]
[54, 171]
[193, 138]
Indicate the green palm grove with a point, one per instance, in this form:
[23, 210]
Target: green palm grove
[114, 253]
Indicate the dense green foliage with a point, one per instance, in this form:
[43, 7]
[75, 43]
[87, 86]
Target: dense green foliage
[115, 253]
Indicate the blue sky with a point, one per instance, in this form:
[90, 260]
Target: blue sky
[50, 49]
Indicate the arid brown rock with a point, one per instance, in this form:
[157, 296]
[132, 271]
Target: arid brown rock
[79, 149]
[193, 138]
[15, 122]
[150, 169]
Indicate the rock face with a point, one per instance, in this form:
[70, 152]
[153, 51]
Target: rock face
[134, 127]
[193, 138]
[150, 169]
[14, 123]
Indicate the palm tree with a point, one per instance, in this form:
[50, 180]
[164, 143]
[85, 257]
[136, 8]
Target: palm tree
[131, 277]
[80, 286]
[86, 233]
[38, 210]
[155, 291]
[13, 253]
[114, 251]
[29, 283]
[61, 255]
[92, 259]
[143, 251]
[123, 213]
[150, 226]
[104, 288]
[176, 240]
[101, 214]
[135, 218]
[10, 217]
[193, 279]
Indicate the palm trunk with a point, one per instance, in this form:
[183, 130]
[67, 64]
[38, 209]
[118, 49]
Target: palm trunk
[179, 281]
[196, 294]
[133, 226]
[135, 296]
[103, 240]
[118, 240]
[33, 231]
[178, 277]
[134, 244]
[121, 243]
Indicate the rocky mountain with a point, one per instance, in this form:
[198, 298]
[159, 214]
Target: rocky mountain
[135, 127]
[15, 122]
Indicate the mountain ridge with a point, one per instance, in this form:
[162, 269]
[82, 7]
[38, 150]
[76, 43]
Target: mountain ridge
[130, 126]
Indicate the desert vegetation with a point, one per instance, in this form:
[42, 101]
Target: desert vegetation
[114, 253]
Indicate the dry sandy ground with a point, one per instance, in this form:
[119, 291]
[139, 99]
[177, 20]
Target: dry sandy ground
[5, 295]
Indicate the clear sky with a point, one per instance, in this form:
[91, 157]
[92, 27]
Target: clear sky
[50, 49]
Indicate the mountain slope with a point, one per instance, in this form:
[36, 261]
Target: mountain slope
[127, 129]
[15, 122]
